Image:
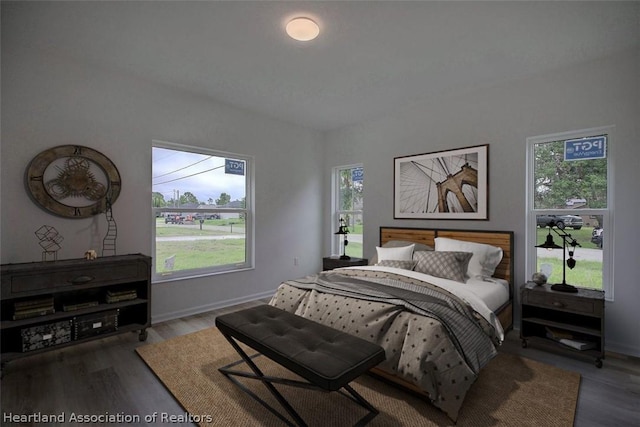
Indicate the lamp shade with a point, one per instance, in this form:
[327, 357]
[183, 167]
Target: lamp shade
[549, 243]
[342, 228]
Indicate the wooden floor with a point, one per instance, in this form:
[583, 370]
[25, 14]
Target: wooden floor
[107, 376]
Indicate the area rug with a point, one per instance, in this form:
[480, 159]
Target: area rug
[510, 391]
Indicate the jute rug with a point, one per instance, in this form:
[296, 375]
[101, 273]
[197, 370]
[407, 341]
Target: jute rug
[511, 391]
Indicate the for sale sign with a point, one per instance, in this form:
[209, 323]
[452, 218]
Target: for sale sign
[585, 148]
[234, 167]
[357, 174]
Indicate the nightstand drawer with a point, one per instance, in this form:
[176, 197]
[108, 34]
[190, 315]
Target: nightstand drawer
[554, 301]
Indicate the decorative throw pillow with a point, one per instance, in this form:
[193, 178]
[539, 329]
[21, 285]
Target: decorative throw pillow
[404, 253]
[485, 257]
[399, 244]
[448, 265]
[405, 265]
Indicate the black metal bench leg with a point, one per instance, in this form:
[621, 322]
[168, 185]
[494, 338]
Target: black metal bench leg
[259, 375]
[269, 381]
[364, 403]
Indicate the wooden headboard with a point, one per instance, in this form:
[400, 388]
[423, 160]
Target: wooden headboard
[502, 239]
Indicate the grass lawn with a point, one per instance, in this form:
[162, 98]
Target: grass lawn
[354, 249]
[586, 274]
[193, 254]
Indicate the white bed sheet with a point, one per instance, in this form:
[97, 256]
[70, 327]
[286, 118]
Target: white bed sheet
[494, 292]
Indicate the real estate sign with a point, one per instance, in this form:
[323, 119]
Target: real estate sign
[234, 167]
[585, 148]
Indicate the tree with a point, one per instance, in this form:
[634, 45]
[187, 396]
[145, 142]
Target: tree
[223, 199]
[209, 201]
[157, 200]
[557, 181]
[350, 192]
[188, 198]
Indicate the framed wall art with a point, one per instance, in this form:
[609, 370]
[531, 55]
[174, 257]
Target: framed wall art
[450, 184]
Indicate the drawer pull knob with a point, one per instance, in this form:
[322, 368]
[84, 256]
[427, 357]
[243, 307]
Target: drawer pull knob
[558, 304]
[80, 280]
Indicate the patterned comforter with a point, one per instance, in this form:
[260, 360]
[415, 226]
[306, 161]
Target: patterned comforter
[431, 337]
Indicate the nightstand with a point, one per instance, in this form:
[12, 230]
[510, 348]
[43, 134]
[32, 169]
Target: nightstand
[564, 322]
[331, 262]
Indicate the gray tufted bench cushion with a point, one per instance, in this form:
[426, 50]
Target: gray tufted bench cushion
[329, 359]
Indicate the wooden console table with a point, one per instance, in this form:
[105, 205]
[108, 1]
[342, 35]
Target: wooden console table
[53, 304]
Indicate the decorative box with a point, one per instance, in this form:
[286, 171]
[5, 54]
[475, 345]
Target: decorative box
[95, 324]
[42, 336]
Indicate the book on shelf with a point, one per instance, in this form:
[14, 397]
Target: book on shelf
[79, 305]
[578, 344]
[29, 304]
[557, 334]
[36, 312]
[121, 296]
[121, 293]
[568, 339]
[33, 308]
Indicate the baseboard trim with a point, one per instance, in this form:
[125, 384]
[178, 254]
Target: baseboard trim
[625, 350]
[155, 319]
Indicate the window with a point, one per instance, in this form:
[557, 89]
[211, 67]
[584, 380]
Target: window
[202, 206]
[347, 201]
[568, 183]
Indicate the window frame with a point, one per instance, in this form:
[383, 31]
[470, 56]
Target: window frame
[336, 248]
[606, 213]
[248, 211]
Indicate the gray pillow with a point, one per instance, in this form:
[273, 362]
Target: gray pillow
[448, 265]
[399, 244]
[405, 265]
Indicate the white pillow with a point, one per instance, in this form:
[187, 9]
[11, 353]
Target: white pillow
[401, 243]
[485, 257]
[404, 253]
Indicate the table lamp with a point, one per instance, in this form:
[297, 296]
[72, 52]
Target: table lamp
[343, 230]
[558, 228]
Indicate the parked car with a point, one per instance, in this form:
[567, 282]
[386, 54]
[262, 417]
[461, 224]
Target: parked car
[560, 221]
[174, 219]
[596, 236]
[208, 216]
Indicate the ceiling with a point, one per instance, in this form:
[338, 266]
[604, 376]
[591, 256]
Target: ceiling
[371, 58]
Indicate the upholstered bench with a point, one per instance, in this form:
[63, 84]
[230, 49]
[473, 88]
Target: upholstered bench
[327, 358]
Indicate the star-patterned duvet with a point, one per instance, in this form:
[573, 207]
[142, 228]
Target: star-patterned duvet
[432, 338]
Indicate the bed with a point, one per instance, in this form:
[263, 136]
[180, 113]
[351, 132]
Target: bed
[437, 300]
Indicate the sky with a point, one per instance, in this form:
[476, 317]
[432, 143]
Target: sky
[201, 174]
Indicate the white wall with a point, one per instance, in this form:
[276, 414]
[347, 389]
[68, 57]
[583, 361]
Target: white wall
[49, 101]
[600, 93]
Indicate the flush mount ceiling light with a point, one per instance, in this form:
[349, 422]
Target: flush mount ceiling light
[302, 29]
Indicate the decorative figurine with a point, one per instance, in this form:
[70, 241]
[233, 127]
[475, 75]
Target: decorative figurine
[49, 241]
[539, 278]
